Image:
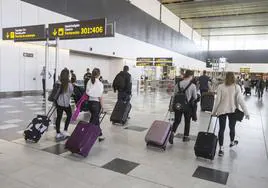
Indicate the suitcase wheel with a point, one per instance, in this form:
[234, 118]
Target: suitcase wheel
[164, 148]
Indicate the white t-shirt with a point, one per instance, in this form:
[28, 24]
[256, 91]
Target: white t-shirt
[94, 91]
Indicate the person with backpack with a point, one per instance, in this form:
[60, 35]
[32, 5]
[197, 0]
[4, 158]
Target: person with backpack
[123, 84]
[185, 92]
[229, 98]
[95, 90]
[63, 104]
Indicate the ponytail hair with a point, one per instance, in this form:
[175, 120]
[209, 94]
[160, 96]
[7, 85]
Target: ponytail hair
[95, 74]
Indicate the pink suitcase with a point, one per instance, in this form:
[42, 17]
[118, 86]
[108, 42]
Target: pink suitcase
[158, 134]
[83, 138]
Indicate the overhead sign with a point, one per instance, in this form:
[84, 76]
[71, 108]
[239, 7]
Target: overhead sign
[162, 62]
[244, 70]
[145, 64]
[77, 30]
[27, 33]
[208, 63]
[145, 61]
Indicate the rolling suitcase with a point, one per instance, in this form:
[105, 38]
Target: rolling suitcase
[158, 134]
[207, 101]
[247, 91]
[38, 126]
[121, 112]
[83, 138]
[206, 143]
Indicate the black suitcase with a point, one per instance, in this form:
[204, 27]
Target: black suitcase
[121, 112]
[206, 143]
[207, 101]
[38, 126]
[247, 90]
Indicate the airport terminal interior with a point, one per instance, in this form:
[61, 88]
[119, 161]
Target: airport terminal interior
[123, 72]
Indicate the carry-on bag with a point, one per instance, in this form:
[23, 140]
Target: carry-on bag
[55, 93]
[120, 112]
[38, 126]
[158, 134]
[83, 137]
[206, 143]
[207, 101]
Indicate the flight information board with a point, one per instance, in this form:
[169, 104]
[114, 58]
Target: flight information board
[162, 62]
[78, 30]
[26, 33]
[144, 61]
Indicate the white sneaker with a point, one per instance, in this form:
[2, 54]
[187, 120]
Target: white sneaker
[66, 134]
[59, 136]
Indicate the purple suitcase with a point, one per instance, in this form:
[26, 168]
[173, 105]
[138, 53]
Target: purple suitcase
[83, 138]
[158, 134]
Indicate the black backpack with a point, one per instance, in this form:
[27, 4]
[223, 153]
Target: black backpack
[180, 101]
[55, 93]
[119, 82]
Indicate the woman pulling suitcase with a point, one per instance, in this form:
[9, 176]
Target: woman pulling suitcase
[229, 98]
[95, 91]
[185, 93]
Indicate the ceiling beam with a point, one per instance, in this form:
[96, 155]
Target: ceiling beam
[234, 35]
[229, 27]
[165, 2]
[220, 16]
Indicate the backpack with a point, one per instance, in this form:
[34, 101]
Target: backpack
[180, 101]
[55, 93]
[119, 82]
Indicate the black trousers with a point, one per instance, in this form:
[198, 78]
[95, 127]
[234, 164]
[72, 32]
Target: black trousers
[123, 96]
[68, 111]
[260, 93]
[95, 109]
[177, 121]
[44, 86]
[232, 123]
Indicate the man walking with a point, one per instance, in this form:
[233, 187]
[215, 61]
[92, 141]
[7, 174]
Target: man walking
[123, 84]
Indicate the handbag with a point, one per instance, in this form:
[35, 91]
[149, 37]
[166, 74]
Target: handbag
[78, 107]
[239, 115]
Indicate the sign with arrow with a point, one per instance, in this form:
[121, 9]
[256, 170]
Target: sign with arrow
[77, 30]
[26, 33]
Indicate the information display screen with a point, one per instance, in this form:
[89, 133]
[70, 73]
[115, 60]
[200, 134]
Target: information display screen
[162, 62]
[145, 61]
[27, 33]
[78, 30]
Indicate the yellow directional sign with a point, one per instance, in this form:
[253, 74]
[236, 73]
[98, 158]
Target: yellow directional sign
[27, 33]
[80, 29]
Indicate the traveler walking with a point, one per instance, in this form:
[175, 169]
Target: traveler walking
[260, 88]
[73, 77]
[95, 90]
[185, 92]
[123, 84]
[229, 98]
[43, 74]
[204, 83]
[63, 104]
[87, 77]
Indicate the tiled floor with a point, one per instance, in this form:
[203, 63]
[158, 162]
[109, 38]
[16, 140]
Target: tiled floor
[123, 160]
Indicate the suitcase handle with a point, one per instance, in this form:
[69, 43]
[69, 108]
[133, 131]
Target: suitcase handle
[210, 124]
